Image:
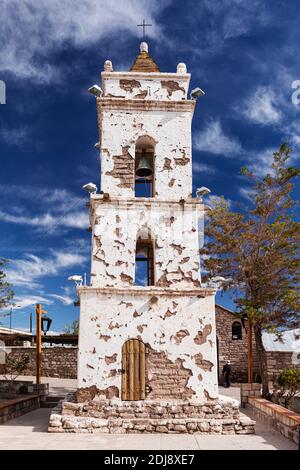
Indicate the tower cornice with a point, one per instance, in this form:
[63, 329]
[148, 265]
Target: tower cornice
[107, 104]
[144, 201]
[148, 290]
[151, 75]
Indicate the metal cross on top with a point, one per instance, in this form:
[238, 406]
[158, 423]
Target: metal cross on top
[144, 28]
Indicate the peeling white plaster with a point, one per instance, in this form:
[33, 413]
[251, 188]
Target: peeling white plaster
[175, 316]
[154, 86]
[104, 316]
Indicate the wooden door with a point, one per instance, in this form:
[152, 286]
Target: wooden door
[133, 370]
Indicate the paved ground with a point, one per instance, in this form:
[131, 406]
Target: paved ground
[62, 387]
[59, 387]
[30, 432]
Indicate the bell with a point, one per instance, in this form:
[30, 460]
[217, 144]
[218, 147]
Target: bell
[144, 168]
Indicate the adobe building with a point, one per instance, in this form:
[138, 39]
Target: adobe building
[147, 359]
[232, 344]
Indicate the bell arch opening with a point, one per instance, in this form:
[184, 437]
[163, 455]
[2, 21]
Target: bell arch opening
[144, 167]
[144, 258]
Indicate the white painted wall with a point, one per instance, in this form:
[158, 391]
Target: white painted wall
[174, 232]
[170, 130]
[107, 321]
[112, 309]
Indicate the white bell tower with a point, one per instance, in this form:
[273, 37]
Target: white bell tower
[153, 339]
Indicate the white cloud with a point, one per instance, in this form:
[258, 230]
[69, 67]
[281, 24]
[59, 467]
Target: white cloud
[30, 300]
[48, 221]
[241, 16]
[213, 199]
[203, 168]
[212, 139]
[17, 136]
[227, 19]
[292, 132]
[32, 31]
[261, 162]
[28, 271]
[261, 107]
[58, 208]
[246, 193]
[64, 299]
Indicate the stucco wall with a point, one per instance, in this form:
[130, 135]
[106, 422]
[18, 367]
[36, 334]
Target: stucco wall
[179, 325]
[175, 317]
[157, 86]
[173, 229]
[168, 125]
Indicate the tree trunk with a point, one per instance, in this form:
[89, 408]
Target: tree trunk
[262, 359]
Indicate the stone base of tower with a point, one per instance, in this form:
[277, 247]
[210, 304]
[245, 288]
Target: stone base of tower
[114, 416]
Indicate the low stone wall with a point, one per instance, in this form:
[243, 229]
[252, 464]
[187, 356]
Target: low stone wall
[277, 361]
[280, 418]
[119, 417]
[23, 387]
[56, 362]
[249, 390]
[10, 409]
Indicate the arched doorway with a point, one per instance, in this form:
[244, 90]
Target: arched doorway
[133, 370]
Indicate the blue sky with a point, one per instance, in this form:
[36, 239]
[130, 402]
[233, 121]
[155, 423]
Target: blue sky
[244, 55]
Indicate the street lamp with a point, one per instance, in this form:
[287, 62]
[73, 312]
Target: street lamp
[247, 324]
[10, 315]
[244, 320]
[46, 322]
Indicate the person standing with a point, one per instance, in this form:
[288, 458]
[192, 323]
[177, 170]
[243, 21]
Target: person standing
[227, 374]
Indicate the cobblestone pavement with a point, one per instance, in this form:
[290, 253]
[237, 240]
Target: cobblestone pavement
[30, 432]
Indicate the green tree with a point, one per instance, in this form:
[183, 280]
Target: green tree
[257, 252]
[72, 329]
[6, 292]
[15, 367]
[287, 386]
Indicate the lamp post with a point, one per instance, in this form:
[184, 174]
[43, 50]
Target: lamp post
[10, 315]
[247, 324]
[39, 319]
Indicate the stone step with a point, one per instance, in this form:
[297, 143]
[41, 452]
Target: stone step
[48, 404]
[61, 423]
[51, 401]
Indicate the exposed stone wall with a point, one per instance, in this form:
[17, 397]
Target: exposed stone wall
[166, 378]
[277, 361]
[56, 362]
[113, 416]
[236, 350]
[178, 325]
